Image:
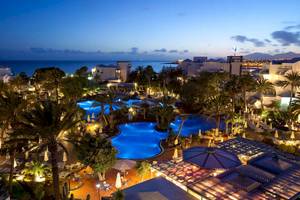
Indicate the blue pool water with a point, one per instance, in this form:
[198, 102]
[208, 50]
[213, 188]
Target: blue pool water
[91, 106]
[138, 140]
[193, 124]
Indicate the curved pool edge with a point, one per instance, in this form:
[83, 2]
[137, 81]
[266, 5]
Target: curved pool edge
[138, 159]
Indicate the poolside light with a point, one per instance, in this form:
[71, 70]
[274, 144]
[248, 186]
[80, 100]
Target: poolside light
[292, 135]
[276, 134]
[26, 155]
[46, 158]
[176, 141]
[200, 133]
[175, 155]
[98, 185]
[244, 134]
[15, 163]
[118, 181]
[7, 157]
[65, 157]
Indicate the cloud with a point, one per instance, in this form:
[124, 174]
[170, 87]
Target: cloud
[162, 50]
[267, 40]
[243, 39]
[292, 27]
[245, 51]
[133, 53]
[134, 50]
[173, 51]
[286, 38]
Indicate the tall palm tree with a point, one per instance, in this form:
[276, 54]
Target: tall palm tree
[263, 86]
[10, 104]
[247, 84]
[233, 89]
[217, 106]
[292, 79]
[49, 121]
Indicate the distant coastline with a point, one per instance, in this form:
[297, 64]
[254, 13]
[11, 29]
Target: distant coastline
[69, 66]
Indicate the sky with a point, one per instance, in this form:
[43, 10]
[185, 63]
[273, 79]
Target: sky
[146, 29]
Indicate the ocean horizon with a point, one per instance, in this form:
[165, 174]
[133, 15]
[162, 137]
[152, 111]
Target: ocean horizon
[70, 66]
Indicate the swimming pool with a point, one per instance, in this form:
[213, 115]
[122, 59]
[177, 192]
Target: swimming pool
[192, 125]
[138, 140]
[92, 106]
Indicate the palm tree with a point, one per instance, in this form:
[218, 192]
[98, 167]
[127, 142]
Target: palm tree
[247, 84]
[10, 103]
[143, 168]
[232, 88]
[164, 115]
[110, 100]
[96, 152]
[183, 119]
[263, 86]
[12, 146]
[292, 79]
[217, 106]
[35, 169]
[49, 121]
[102, 99]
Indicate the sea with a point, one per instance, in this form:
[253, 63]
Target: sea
[69, 67]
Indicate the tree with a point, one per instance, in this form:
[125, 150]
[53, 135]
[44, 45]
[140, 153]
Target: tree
[48, 78]
[143, 168]
[11, 103]
[35, 169]
[73, 87]
[82, 72]
[164, 113]
[19, 82]
[102, 99]
[96, 152]
[49, 121]
[233, 89]
[247, 84]
[263, 86]
[217, 106]
[118, 195]
[292, 79]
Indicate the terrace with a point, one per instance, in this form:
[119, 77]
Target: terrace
[266, 176]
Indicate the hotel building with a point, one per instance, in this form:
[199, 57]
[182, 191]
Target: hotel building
[275, 71]
[5, 74]
[233, 65]
[113, 73]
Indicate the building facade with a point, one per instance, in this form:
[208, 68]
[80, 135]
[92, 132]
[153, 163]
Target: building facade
[274, 72]
[112, 73]
[5, 74]
[233, 65]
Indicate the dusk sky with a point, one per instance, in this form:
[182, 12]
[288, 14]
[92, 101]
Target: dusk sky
[146, 29]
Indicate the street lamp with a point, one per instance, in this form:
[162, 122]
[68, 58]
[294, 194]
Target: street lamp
[98, 188]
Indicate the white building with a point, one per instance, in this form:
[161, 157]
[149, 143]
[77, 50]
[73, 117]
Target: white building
[275, 71]
[5, 74]
[113, 73]
[233, 65]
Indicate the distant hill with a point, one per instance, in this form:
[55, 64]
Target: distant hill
[265, 56]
